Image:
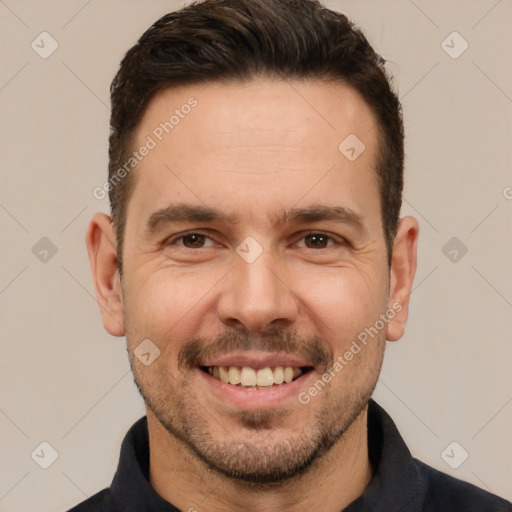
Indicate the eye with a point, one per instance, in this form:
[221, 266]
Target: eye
[191, 240]
[319, 240]
[312, 240]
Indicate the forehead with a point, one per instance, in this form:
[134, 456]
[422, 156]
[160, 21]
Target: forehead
[261, 141]
[227, 111]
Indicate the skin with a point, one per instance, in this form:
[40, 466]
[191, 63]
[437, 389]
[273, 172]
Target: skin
[255, 150]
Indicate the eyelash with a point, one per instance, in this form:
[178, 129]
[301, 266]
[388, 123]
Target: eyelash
[336, 240]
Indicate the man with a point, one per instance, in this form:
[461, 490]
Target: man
[256, 263]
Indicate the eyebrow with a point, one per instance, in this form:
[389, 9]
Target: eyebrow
[183, 212]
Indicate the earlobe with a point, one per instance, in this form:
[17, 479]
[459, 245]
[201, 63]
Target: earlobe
[403, 269]
[101, 246]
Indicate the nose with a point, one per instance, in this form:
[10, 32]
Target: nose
[257, 296]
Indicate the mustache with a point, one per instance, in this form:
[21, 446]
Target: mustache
[198, 349]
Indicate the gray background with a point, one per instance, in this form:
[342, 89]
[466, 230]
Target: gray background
[65, 381]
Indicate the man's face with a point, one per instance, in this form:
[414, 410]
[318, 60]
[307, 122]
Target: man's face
[264, 289]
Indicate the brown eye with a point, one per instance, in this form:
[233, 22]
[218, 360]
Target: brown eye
[316, 240]
[192, 241]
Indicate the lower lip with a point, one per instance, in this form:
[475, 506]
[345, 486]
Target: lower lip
[256, 398]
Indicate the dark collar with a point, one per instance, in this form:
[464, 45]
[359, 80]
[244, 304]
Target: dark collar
[397, 483]
[130, 488]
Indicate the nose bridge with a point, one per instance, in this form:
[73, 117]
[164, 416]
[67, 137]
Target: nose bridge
[256, 293]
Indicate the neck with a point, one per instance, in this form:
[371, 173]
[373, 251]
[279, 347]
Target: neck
[330, 485]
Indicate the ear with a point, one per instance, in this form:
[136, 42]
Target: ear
[403, 269]
[102, 249]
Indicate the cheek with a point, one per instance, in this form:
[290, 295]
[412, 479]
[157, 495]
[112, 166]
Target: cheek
[165, 306]
[342, 304]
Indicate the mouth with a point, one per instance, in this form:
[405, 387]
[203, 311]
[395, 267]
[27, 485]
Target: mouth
[252, 380]
[250, 377]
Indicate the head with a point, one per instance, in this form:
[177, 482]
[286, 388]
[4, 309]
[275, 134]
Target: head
[245, 234]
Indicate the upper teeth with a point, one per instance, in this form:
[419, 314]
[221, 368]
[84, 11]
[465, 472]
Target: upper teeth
[247, 376]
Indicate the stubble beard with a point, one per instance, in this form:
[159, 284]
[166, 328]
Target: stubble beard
[266, 456]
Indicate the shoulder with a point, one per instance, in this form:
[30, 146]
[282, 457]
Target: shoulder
[100, 502]
[446, 493]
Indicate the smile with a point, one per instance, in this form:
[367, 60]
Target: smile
[255, 378]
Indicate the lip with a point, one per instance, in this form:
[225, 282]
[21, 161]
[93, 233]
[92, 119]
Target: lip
[254, 398]
[255, 359]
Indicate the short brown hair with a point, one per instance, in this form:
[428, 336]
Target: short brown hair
[238, 40]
